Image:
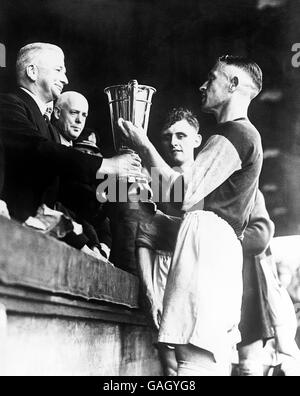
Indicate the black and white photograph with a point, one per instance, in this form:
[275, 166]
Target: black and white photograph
[149, 190]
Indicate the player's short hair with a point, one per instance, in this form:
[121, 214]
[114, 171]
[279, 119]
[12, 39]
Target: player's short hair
[248, 66]
[178, 114]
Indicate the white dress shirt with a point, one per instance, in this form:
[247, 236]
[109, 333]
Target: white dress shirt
[65, 142]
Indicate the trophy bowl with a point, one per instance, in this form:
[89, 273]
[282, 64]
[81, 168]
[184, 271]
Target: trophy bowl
[132, 102]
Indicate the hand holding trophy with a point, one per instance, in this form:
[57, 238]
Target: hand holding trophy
[130, 106]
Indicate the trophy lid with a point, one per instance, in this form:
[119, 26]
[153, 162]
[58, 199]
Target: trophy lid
[125, 86]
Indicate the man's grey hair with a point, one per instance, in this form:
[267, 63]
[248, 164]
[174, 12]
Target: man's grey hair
[29, 54]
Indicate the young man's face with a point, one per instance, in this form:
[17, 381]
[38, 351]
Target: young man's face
[215, 91]
[51, 77]
[179, 142]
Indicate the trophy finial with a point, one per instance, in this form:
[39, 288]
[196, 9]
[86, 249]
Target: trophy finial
[133, 83]
[133, 90]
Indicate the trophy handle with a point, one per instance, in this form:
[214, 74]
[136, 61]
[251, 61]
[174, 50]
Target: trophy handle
[133, 87]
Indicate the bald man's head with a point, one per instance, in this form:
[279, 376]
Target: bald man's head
[70, 114]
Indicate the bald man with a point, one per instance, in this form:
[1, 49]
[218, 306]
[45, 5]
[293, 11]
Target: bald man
[69, 116]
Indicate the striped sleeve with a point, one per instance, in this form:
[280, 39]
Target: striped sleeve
[215, 163]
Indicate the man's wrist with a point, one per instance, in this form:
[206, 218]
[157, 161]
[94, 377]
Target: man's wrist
[145, 149]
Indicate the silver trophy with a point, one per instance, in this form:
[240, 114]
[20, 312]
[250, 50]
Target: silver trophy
[132, 102]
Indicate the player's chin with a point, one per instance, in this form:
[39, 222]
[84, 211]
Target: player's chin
[205, 108]
[204, 103]
[177, 158]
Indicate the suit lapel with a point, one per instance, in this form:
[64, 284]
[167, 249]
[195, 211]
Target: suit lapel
[36, 115]
[54, 133]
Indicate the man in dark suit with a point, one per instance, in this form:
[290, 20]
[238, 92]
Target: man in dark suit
[69, 117]
[34, 157]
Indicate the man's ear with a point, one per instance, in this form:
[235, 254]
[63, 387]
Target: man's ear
[233, 84]
[198, 140]
[32, 72]
[56, 113]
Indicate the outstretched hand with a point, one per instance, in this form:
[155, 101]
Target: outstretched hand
[122, 165]
[135, 137]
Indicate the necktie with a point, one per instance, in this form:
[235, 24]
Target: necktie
[46, 118]
[53, 132]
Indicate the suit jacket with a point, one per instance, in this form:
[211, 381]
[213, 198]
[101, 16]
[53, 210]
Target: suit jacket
[34, 158]
[81, 200]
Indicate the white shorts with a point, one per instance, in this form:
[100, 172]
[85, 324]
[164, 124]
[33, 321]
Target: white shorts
[203, 294]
